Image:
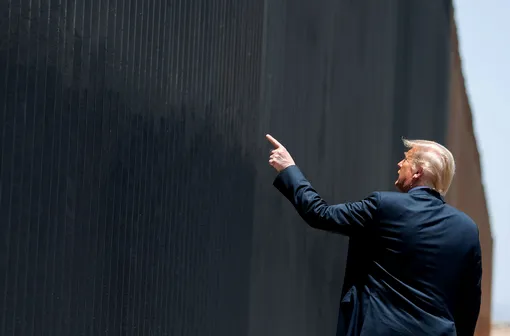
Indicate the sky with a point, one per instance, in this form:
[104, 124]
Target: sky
[484, 38]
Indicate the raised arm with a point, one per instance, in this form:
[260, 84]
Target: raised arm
[348, 218]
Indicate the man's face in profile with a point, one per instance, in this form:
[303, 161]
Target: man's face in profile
[405, 172]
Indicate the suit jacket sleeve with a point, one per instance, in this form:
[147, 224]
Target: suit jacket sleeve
[348, 219]
[469, 298]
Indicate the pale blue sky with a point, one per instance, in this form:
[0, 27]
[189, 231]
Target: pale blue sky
[484, 37]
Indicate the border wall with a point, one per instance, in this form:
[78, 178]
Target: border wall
[135, 195]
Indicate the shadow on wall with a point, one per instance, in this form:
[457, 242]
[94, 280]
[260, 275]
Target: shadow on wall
[116, 217]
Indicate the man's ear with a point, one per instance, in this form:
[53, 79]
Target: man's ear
[418, 172]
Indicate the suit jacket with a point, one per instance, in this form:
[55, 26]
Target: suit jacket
[421, 270]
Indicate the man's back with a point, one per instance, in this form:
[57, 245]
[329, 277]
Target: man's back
[422, 254]
[420, 271]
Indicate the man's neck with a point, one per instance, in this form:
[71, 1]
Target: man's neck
[421, 185]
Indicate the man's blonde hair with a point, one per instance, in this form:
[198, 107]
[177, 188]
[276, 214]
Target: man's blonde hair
[436, 161]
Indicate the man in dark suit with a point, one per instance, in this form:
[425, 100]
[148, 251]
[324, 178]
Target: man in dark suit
[423, 273]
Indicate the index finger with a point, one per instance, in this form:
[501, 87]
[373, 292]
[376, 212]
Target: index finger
[273, 141]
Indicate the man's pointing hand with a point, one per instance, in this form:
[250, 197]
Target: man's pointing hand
[280, 158]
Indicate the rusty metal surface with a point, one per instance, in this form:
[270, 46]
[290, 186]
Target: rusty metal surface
[467, 191]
